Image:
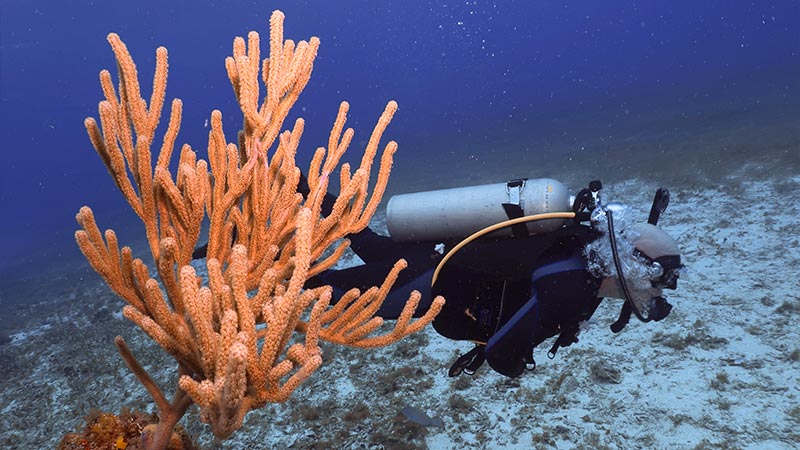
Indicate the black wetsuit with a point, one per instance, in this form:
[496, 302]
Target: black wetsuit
[506, 294]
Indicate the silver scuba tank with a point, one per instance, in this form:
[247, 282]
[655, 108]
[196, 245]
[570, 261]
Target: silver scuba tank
[459, 212]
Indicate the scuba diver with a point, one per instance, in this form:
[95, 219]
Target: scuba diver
[517, 262]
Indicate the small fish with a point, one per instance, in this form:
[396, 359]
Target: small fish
[419, 417]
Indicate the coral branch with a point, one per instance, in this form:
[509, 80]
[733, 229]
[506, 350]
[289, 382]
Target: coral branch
[235, 334]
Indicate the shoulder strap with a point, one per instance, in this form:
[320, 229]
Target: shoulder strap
[513, 209]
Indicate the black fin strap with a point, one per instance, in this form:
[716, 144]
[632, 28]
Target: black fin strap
[530, 363]
[469, 362]
[622, 320]
[552, 353]
[565, 339]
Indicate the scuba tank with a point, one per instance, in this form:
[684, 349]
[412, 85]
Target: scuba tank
[458, 212]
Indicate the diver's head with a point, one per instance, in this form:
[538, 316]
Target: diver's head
[650, 261]
[661, 251]
[634, 261]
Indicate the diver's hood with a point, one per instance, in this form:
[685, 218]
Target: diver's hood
[653, 241]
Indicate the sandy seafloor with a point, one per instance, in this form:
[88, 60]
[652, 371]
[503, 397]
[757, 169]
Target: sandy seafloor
[722, 371]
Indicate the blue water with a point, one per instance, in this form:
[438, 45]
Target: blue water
[486, 89]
